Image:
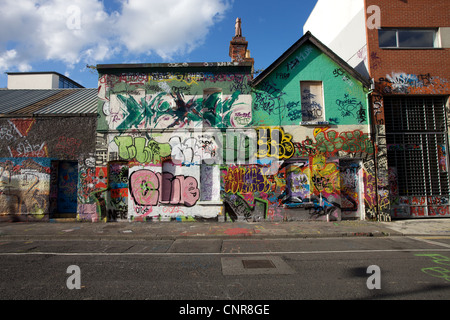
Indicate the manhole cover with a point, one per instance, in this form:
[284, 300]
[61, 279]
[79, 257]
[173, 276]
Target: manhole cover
[257, 264]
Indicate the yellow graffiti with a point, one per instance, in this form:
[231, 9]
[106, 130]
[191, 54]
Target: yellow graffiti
[319, 130]
[188, 78]
[246, 180]
[274, 142]
[325, 175]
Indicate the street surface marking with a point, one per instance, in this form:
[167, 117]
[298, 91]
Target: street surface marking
[434, 237]
[426, 240]
[208, 253]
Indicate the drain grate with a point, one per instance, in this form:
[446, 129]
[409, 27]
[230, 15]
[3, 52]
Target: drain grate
[255, 265]
[258, 264]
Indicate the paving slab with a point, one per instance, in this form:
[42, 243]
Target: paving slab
[219, 230]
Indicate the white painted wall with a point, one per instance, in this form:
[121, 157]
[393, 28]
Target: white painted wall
[340, 25]
[444, 33]
[33, 81]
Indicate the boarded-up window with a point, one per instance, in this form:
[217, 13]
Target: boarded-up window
[209, 183]
[312, 101]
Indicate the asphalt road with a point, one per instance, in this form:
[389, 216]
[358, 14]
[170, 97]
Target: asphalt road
[227, 269]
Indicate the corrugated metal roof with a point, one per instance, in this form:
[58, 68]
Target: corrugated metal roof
[81, 101]
[48, 101]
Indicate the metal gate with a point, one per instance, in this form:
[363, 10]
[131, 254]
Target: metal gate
[417, 144]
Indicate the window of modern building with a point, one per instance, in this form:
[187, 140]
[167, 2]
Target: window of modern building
[312, 101]
[66, 84]
[407, 38]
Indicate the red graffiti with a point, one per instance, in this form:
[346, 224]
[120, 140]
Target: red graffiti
[418, 211]
[119, 193]
[438, 211]
[330, 142]
[68, 146]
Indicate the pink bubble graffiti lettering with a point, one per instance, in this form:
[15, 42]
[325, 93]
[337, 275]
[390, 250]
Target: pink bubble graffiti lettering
[149, 188]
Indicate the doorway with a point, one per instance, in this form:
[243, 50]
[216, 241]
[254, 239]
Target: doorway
[350, 189]
[67, 188]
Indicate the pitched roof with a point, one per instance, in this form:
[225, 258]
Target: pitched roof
[308, 37]
[48, 101]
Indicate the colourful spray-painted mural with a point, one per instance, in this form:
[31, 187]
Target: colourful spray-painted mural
[48, 156]
[405, 83]
[147, 115]
[332, 143]
[322, 108]
[178, 98]
[323, 188]
[166, 110]
[164, 193]
[24, 188]
[298, 191]
[265, 165]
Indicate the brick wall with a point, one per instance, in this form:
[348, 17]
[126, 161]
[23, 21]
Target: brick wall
[430, 66]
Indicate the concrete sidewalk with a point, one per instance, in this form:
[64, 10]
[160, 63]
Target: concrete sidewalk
[220, 230]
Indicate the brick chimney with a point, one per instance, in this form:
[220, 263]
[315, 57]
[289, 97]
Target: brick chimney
[238, 46]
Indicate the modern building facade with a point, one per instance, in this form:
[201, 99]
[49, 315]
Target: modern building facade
[404, 47]
[40, 80]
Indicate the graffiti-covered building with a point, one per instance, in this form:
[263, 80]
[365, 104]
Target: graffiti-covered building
[404, 47]
[310, 113]
[160, 136]
[197, 141]
[47, 148]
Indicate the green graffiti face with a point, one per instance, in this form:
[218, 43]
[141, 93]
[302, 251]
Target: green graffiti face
[158, 111]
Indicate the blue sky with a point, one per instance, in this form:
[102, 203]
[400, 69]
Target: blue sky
[64, 36]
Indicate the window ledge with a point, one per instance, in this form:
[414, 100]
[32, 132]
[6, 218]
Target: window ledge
[314, 123]
[209, 202]
[411, 48]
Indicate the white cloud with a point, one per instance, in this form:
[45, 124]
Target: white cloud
[10, 57]
[167, 27]
[81, 31]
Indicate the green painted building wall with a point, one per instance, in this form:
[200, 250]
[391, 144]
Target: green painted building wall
[315, 154]
[278, 99]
